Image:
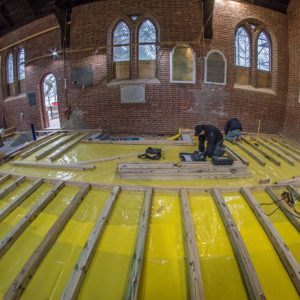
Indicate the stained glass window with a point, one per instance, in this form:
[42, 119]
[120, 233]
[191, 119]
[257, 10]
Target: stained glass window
[10, 69]
[22, 64]
[263, 52]
[121, 36]
[147, 34]
[242, 48]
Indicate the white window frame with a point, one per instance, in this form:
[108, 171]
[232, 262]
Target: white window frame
[171, 65]
[205, 68]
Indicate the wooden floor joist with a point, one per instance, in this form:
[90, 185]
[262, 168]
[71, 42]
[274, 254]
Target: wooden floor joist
[137, 260]
[242, 159]
[142, 142]
[9, 240]
[283, 157]
[251, 154]
[195, 277]
[291, 143]
[19, 199]
[21, 281]
[77, 277]
[52, 165]
[249, 274]
[4, 178]
[57, 145]
[42, 145]
[67, 148]
[281, 248]
[263, 153]
[283, 150]
[11, 187]
[285, 208]
[286, 145]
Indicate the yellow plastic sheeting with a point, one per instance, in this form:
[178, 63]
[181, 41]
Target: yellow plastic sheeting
[272, 274]
[164, 272]
[57, 266]
[285, 228]
[220, 271]
[13, 261]
[108, 274]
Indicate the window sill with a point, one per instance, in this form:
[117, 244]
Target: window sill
[118, 82]
[251, 88]
[12, 98]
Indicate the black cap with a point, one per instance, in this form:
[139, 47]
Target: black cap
[198, 129]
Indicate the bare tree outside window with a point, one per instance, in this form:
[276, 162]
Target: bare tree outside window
[263, 52]
[147, 34]
[10, 69]
[121, 36]
[242, 48]
[21, 63]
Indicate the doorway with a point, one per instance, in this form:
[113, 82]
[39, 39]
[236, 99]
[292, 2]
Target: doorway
[50, 102]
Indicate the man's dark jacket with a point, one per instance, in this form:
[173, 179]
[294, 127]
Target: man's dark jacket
[212, 135]
[233, 124]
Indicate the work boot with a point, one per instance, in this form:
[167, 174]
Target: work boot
[234, 140]
[239, 139]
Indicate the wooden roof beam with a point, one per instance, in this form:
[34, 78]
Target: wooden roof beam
[208, 10]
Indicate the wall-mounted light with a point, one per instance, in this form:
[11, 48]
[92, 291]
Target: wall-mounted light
[54, 53]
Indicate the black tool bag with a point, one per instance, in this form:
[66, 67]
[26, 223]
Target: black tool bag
[151, 153]
[189, 156]
[222, 161]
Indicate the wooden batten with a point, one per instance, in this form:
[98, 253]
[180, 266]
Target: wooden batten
[53, 166]
[248, 272]
[77, 277]
[9, 240]
[42, 145]
[285, 208]
[286, 145]
[251, 154]
[67, 148]
[21, 281]
[142, 142]
[281, 248]
[235, 154]
[195, 277]
[137, 260]
[263, 153]
[54, 147]
[19, 199]
[4, 178]
[4, 192]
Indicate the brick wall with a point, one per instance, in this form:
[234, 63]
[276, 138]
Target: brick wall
[292, 116]
[168, 105]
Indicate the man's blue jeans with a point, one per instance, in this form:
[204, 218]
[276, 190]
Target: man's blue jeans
[232, 134]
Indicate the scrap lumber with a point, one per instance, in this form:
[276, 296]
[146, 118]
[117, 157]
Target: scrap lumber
[8, 135]
[265, 180]
[288, 181]
[286, 145]
[281, 248]
[29, 145]
[249, 274]
[67, 148]
[242, 159]
[21, 281]
[288, 153]
[9, 240]
[195, 277]
[283, 157]
[42, 145]
[137, 260]
[9, 130]
[59, 144]
[285, 208]
[251, 154]
[4, 192]
[4, 178]
[96, 160]
[53, 166]
[19, 199]
[263, 153]
[77, 277]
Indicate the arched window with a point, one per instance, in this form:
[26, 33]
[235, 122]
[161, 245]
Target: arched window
[21, 64]
[263, 52]
[147, 50]
[215, 68]
[10, 68]
[242, 48]
[182, 64]
[121, 51]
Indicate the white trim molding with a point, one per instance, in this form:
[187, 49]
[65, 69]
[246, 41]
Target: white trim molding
[205, 68]
[171, 64]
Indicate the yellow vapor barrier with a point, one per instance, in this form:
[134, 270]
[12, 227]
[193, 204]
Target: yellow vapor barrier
[220, 271]
[105, 172]
[13, 261]
[274, 278]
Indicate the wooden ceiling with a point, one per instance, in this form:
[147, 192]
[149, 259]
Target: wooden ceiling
[16, 13]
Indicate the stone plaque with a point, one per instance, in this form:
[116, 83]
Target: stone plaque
[133, 93]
